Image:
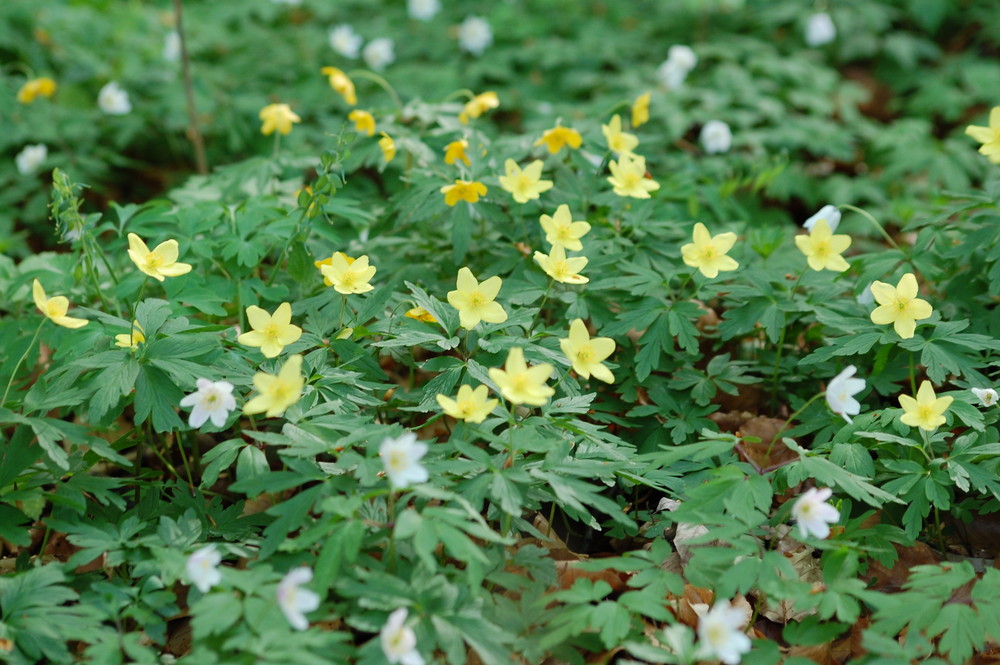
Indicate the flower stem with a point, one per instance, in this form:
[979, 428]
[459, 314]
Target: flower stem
[24, 355]
[380, 82]
[193, 132]
[885, 234]
[790, 419]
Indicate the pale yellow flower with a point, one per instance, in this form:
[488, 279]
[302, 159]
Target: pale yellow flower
[277, 117]
[640, 110]
[271, 332]
[363, 121]
[708, 253]
[560, 229]
[988, 136]
[619, 142]
[587, 354]
[469, 405]
[521, 384]
[899, 305]
[349, 276]
[329, 262]
[133, 340]
[927, 410]
[558, 267]
[628, 177]
[475, 300]
[159, 263]
[277, 392]
[55, 308]
[525, 184]
[388, 147]
[420, 314]
[823, 249]
[478, 105]
[341, 83]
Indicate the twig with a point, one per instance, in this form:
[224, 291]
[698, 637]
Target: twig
[193, 132]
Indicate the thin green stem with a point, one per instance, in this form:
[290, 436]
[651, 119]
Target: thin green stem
[790, 419]
[545, 299]
[381, 82]
[885, 234]
[390, 511]
[913, 376]
[777, 364]
[138, 297]
[20, 361]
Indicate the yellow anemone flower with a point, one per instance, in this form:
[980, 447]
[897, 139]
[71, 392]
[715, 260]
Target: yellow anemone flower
[388, 147]
[899, 305]
[587, 353]
[131, 340]
[619, 142]
[927, 410]
[55, 308]
[159, 263]
[525, 184]
[349, 277]
[363, 121]
[277, 392]
[475, 300]
[420, 314]
[455, 151]
[640, 110]
[554, 139]
[277, 117]
[521, 384]
[558, 267]
[988, 136]
[560, 229]
[469, 405]
[823, 249]
[341, 83]
[271, 332]
[708, 253]
[40, 87]
[463, 190]
[478, 105]
[628, 177]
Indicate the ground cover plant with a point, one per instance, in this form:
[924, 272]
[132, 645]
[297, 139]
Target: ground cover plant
[549, 332]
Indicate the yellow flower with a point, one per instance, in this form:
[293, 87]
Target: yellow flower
[525, 184]
[628, 177]
[469, 405]
[463, 190]
[271, 332]
[478, 105]
[640, 110]
[475, 300]
[823, 249]
[619, 142]
[55, 308]
[159, 263]
[988, 136]
[329, 262]
[388, 147]
[133, 340]
[927, 410]
[349, 276]
[586, 354]
[558, 267]
[363, 121]
[708, 253]
[899, 305]
[420, 314]
[277, 392]
[277, 117]
[560, 229]
[559, 136]
[44, 87]
[455, 151]
[340, 82]
[521, 385]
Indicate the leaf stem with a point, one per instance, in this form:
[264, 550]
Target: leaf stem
[24, 355]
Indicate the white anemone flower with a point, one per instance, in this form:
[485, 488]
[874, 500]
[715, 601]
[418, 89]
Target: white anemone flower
[345, 41]
[679, 63]
[423, 10]
[841, 391]
[716, 137]
[113, 100]
[813, 514]
[399, 642]
[212, 401]
[30, 158]
[820, 29]
[828, 212]
[986, 396]
[295, 601]
[203, 568]
[475, 35]
[720, 634]
[379, 54]
[401, 458]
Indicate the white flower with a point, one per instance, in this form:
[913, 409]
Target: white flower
[202, 568]
[213, 400]
[113, 100]
[866, 297]
[423, 10]
[813, 514]
[399, 643]
[679, 63]
[720, 634]
[378, 54]
[987, 396]
[401, 458]
[828, 212]
[820, 29]
[474, 35]
[716, 137]
[841, 391]
[172, 46]
[30, 158]
[295, 601]
[345, 41]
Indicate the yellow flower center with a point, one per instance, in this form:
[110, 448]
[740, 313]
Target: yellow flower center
[560, 270]
[709, 253]
[397, 460]
[925, 412]
[476, 300]
[271, 332]
[349, 279]
[630, 180]
[585, 354]
[821, 249]
[466, 407]
[153, 261]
